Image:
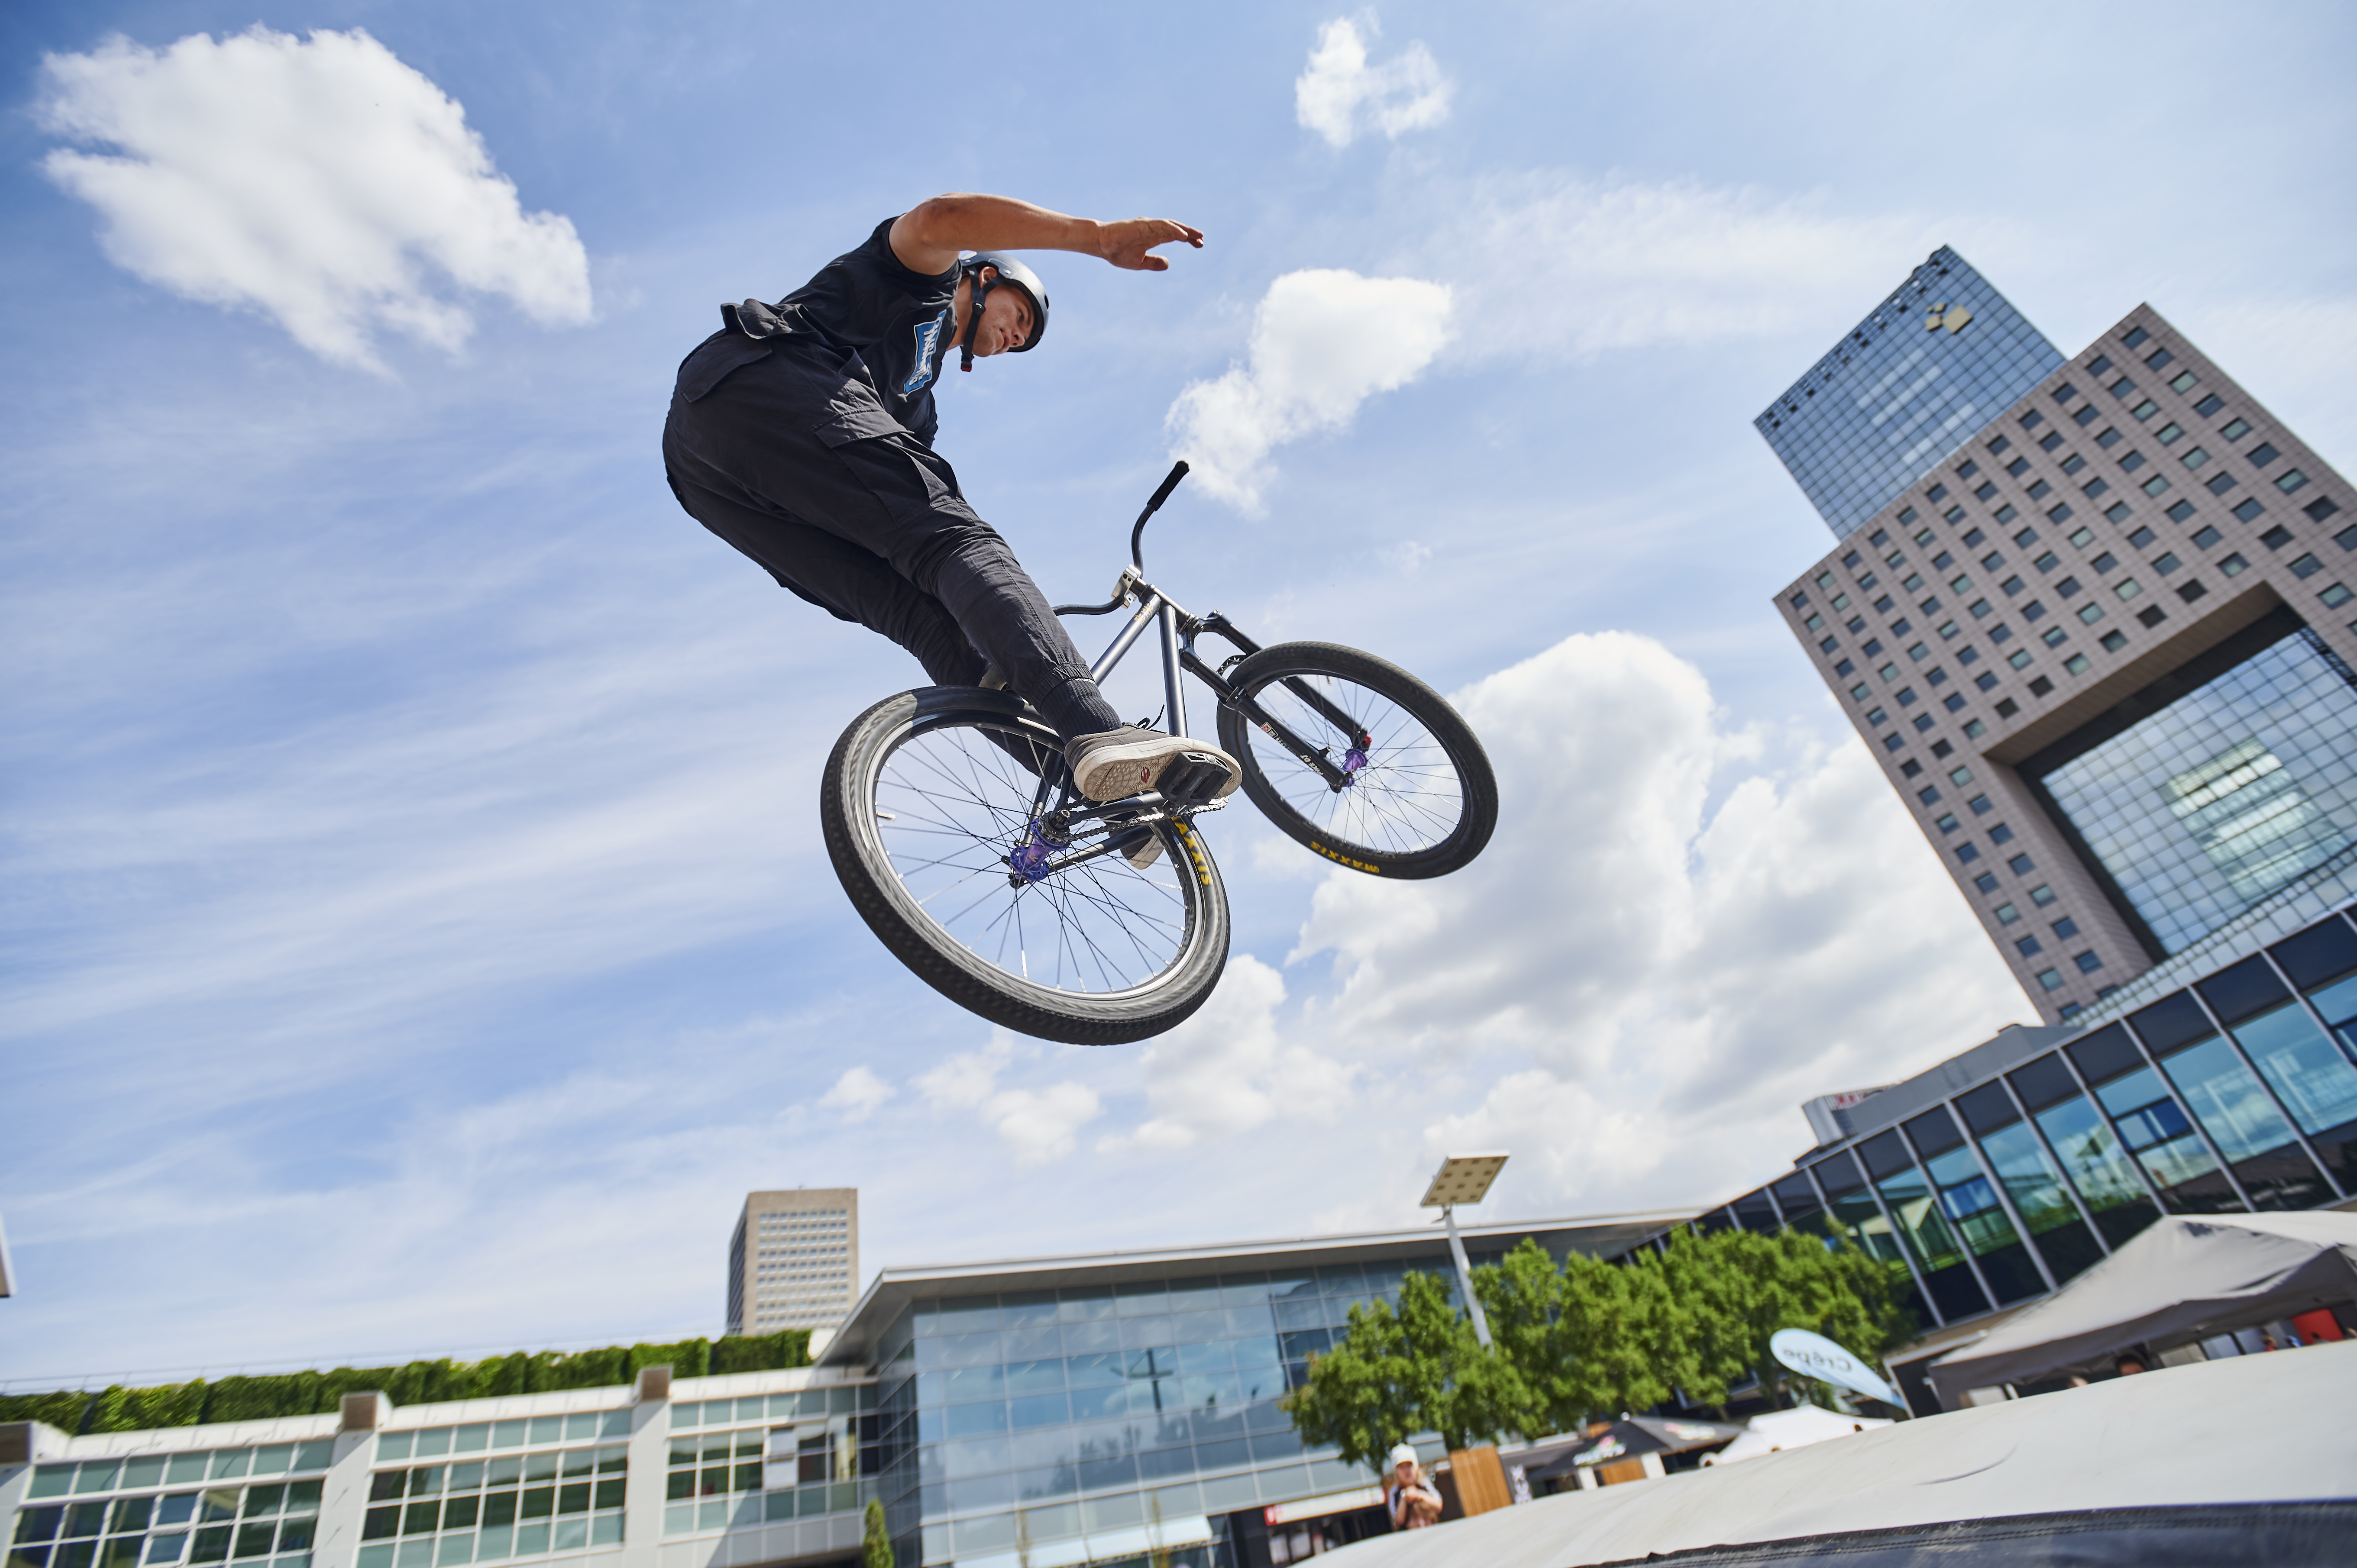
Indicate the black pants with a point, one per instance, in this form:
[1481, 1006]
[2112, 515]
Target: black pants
[774, 448]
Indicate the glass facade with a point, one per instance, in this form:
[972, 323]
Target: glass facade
[224, 1505]
[1927, 368]
[1085, 1424]
[2239, 787]
[2238, 1093]
[518, 1500]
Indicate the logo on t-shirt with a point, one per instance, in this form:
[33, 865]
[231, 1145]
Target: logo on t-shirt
[929, 338]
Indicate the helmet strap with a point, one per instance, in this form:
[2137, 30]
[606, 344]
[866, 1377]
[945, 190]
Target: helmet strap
[978, 291]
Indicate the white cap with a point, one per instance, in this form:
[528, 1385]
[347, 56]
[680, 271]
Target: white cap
[1403, 1454]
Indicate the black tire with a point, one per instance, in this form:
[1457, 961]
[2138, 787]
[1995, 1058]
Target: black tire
[1423, 803]
[923, 799]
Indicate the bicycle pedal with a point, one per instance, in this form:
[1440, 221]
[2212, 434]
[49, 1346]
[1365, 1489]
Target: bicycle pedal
[1192, 778]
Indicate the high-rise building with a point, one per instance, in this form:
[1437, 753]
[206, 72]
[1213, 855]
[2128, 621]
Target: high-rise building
[1928, 366]
[2102, 649]
[793, 1260]
[2100, 642]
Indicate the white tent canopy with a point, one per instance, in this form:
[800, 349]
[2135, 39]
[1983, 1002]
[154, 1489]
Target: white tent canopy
[1795, 1428]
[2184, 1278]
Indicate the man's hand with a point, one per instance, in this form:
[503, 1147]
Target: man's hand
[1126, 244]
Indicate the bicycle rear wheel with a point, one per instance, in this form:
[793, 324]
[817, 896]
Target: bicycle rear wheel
[929, 800]
[1418, 798]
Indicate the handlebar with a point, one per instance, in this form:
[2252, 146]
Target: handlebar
[1137, 535]
[1137, 541]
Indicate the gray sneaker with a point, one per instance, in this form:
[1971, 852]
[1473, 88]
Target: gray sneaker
[1115, 764]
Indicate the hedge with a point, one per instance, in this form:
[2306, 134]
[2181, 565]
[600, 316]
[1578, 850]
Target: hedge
[120, 1409]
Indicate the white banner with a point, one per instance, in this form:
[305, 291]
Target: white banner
[1815, 1356]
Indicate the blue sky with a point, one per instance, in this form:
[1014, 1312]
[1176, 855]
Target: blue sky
[418, 932]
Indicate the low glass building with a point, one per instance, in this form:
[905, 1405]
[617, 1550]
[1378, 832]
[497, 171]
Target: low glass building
[2207, 1086]
[1117, 1409]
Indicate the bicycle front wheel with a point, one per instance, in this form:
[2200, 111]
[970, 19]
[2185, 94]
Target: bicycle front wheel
[931, 806]
[1405, 790]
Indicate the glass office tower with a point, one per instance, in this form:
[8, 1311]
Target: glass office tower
[2235, 789]
[1927, 368]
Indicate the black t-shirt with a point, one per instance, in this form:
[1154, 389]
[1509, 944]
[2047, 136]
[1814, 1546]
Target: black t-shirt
[897, 320]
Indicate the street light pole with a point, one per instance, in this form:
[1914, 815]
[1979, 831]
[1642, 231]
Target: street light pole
[1465, 1275]
[1464, 1178]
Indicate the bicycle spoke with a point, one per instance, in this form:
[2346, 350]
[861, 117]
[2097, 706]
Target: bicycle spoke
[953, 804]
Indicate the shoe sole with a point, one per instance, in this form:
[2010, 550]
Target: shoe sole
[1115, 773]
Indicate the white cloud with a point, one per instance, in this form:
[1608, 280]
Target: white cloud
[1558, 263]
[1323, 341]
[1341, 96]
[1639, 980]
[1227, 1069]
[1036, 1125]
[318, 180]
[858, 1094]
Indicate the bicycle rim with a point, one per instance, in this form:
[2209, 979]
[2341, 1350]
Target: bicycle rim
[942, 810]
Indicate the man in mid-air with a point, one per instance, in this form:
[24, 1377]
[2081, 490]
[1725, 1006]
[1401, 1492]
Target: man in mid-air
[802, 434]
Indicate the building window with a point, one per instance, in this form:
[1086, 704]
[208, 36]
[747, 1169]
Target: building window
[2000, 833]
[2264, 454]
[2134, 336]
[2021, 866]
[2050, 979]
[1975, 729]
[2065, 928]
[2087, 961]
[2335, 596]
[2076, 665]
[1946, 822]
[2113, 641]
[2054, 636]
[1986, 881]
[2291, 481]
[1985, 681]
[2233, 566]
[2006, 915]
[2168, 435]
[2026, 946]
[2091, 613]
[1960, 776]
[2235, 429]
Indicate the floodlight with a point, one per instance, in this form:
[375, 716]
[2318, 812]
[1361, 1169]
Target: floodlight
[1462, 1178]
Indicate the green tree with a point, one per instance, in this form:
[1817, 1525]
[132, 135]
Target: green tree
[1729, 1292]
[875, 1545]
[1418, 1368]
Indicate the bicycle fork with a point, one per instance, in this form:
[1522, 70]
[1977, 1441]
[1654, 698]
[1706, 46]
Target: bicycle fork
[1179, 632]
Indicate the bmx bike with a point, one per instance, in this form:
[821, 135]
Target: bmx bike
[954, 827]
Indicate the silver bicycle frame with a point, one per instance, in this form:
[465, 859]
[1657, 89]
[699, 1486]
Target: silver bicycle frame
[1152, 604]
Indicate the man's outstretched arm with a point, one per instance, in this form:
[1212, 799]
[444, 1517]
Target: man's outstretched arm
[929, 236]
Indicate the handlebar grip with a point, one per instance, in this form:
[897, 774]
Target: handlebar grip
[1177, 472]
